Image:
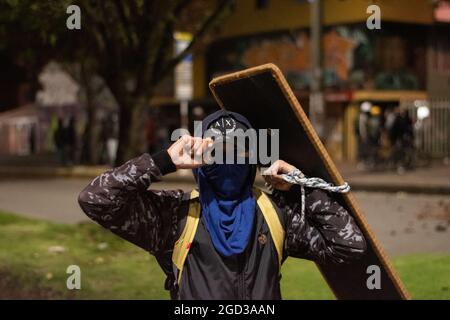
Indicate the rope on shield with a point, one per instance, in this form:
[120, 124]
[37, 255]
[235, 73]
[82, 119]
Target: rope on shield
[297, 177]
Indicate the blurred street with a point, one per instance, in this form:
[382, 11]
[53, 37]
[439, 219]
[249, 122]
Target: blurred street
[404, 223]
[432, 179]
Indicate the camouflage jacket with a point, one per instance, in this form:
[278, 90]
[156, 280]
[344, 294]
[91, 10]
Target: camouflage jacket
[120, 201]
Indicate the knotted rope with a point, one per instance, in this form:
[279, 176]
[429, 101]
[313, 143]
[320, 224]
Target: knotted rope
[297, 177]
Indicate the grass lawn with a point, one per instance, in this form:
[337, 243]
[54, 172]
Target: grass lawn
[114, 269]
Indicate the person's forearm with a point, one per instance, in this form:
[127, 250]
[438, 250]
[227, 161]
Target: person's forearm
[344, 240]
[111, 189]
[119, 201]
[325, 231]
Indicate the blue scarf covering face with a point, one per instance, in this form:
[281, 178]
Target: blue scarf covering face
[228, 205]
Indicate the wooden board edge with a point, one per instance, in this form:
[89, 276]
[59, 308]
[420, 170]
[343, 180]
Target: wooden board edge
[320, 148]
[238, 75]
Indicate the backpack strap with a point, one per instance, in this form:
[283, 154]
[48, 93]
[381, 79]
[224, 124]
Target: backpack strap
[183, 244]
[273, 222]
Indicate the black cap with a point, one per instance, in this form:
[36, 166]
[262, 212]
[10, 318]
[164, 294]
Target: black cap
[226, 124]
[214, 120]
[223, 126]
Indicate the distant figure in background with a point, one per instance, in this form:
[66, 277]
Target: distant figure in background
[389, 117]
[32, 139]
[402, 137]
[112, 144]
[109, 139]
[361, 133]
[70, 139]
[374, 135]
[386, 141]
[59, 141]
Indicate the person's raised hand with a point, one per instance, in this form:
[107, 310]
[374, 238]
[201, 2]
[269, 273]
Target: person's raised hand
[188, 152]
[272, 175]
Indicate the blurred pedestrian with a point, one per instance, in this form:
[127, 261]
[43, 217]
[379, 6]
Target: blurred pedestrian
[112, 144]
[389, 116]
[361, 133]
[389, 119]
[374, 135]
[402, 137]
[32, 139]
[59, 141]
[109, 141]
[70, 140]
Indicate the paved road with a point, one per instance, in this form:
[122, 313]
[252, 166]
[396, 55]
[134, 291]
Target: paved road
[404, 223]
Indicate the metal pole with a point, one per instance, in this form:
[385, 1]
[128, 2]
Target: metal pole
[184, 113]
[316, 101]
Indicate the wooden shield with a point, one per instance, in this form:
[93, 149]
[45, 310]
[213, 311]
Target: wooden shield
[263, 96]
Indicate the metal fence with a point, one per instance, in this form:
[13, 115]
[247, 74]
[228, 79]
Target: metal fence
[432, 126]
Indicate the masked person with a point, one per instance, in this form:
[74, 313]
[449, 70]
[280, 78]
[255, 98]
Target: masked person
[229, 241]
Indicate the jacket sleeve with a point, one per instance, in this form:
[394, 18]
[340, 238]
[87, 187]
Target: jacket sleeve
[324, 233]
[119, 201]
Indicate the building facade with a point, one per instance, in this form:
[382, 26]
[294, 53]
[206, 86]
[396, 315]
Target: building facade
[400, 61]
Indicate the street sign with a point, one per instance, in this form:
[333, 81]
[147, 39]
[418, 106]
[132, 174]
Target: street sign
[183, 71]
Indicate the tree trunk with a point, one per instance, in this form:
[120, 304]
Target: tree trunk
[131, 128]
[90, 154]
[89, 136]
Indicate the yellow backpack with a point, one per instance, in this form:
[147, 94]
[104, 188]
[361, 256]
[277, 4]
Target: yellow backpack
[183, 244]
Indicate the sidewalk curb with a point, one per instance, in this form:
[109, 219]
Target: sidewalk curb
[90, 172]
[393, 188]
[51, 172]
[185, 176]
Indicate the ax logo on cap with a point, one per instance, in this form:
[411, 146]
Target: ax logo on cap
[224, 125]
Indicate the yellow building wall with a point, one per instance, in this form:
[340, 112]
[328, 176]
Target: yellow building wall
[291, 14]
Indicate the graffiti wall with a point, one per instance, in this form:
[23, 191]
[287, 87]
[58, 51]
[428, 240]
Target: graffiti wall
[353, 56]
